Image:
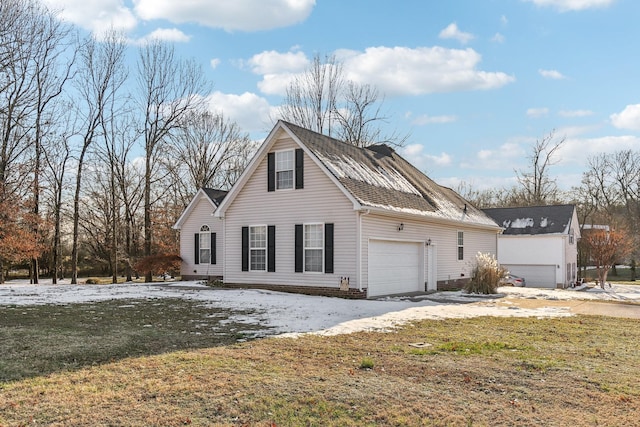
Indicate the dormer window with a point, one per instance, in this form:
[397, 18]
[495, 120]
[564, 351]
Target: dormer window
[284, 169]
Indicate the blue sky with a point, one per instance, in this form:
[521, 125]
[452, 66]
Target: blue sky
[474, 82]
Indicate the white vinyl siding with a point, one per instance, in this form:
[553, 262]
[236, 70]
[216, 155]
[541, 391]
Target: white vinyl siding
[535, 251]
[443, 239]
[320, 201]
[201, 214]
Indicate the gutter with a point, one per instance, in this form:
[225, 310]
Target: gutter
[435, 219]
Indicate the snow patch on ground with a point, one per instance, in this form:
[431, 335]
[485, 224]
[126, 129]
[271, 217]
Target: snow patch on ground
[292, 314]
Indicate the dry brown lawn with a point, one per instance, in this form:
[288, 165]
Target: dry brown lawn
[579, 371]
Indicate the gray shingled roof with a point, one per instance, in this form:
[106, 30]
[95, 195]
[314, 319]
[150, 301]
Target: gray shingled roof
[533, 220]
[215, 195]
[378, 177]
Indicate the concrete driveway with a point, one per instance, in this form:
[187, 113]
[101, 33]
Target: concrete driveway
[595, 308]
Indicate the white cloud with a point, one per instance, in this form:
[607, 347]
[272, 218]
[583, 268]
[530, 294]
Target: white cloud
[629, 118]
[578, 150]
[165, 34]
[97, 16]
[497, 38]
[243, 15]
[551, 74]
[407, 71]
[272, 62]
[414, 154]
[568, 5]
[394, 71]
[214, 63]
[426, 119]
[453, 32]
[575, 113]
[499, 159]
[503, 20]
[537, 112]
[277, 69]
[252, 112]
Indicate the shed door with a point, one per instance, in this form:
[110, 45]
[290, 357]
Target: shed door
[394, 267]
[536, 276]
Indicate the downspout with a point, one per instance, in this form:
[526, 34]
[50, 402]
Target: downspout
[224, 247]
[361, 213]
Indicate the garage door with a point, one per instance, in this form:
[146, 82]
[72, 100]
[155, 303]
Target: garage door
[394, 267]
[537, 276]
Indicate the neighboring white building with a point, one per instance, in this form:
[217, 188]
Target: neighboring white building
[539, 243]
[201, 236]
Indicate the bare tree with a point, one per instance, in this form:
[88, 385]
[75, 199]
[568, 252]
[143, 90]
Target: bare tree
[206, 151]
[33, 72]
[100, 77]
[612, 184]
[57, 156]
[322, 100]
[52, 72]
[312, 97]
[537, 187]
[360, 116]
[169, 89]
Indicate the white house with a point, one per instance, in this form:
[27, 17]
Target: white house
[539, 243]
[201, 236]
[316, 215]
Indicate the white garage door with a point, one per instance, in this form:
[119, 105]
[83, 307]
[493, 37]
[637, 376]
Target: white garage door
[536, 276]
[394, 267]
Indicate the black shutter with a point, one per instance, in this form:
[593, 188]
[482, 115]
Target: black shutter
[299, 168]
[271, 172]
[245, 248]
[196, 248]
[328, 248]
[213, 248]
[299, 248]
[271, 248]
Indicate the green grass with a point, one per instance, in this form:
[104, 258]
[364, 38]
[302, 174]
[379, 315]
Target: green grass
[99, 364]
[38, 340]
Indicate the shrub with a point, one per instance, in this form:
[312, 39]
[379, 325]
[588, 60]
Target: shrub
[158, 264]
[366, 363]
[485, 275]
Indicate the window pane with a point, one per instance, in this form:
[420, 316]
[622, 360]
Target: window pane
[204, 256]
[258, 259]
[284, 179]
[284, 160]
[460, 253]
[314, 236]
[258, 237]
[313, 260]
[460, 238]
[205, 241]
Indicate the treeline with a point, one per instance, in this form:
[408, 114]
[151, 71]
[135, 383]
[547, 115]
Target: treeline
[607, 201]
[97, 159]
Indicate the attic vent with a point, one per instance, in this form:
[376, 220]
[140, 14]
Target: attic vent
[381, 150]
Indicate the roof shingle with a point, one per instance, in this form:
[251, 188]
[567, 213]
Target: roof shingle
[377, 176]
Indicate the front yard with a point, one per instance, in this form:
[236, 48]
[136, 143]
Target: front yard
[168, 361]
